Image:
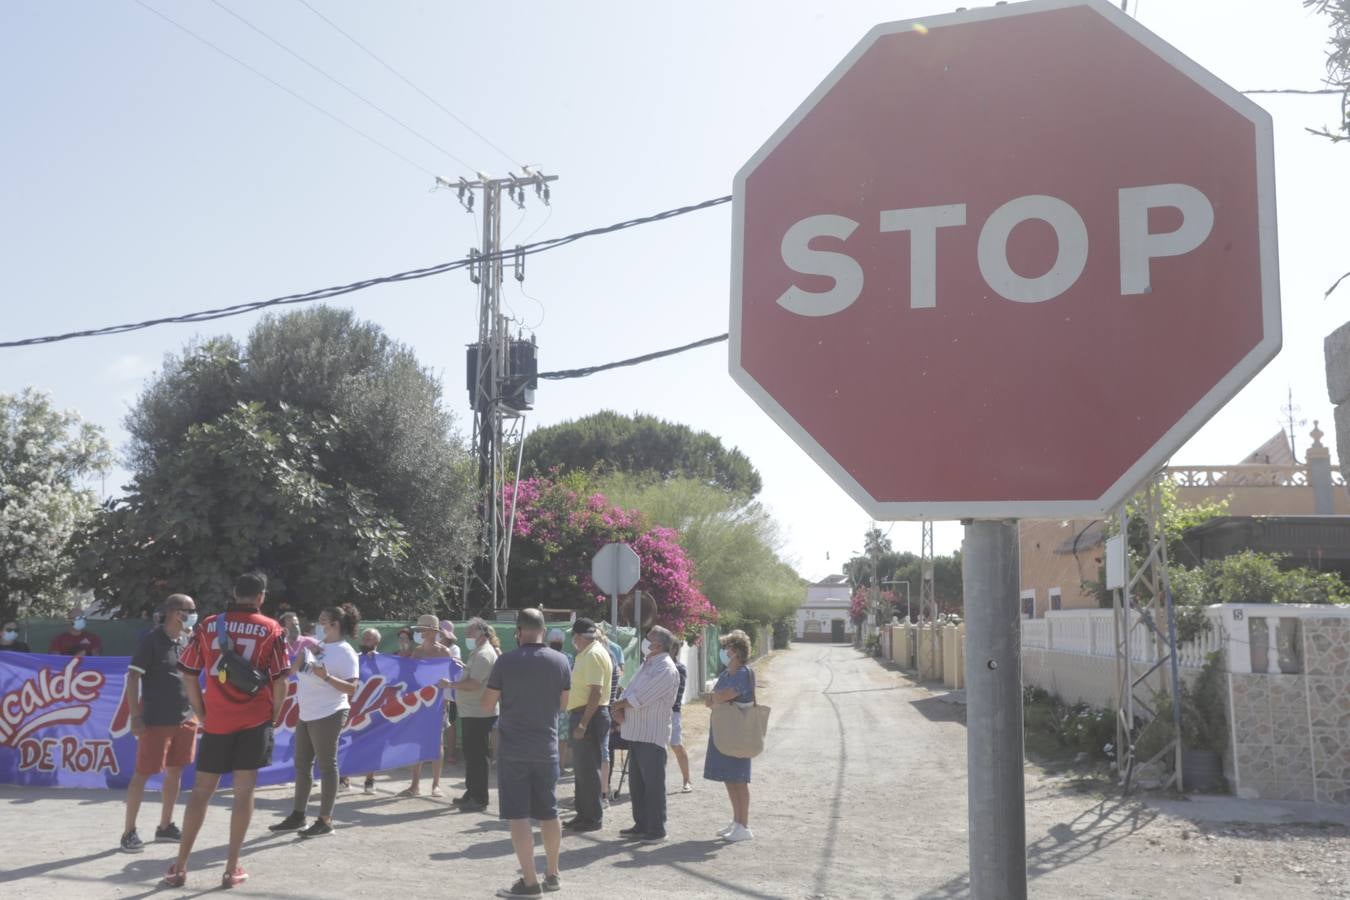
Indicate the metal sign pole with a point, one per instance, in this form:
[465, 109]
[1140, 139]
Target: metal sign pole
[997, 814]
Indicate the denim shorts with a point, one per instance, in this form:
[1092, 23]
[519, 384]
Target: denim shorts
[527, 790]
[676, 738]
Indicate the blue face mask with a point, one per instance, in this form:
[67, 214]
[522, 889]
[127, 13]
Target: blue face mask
[191, 621]
[724, 656]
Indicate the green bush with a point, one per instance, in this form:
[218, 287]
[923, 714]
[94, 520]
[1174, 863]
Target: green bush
[872, 647]
[1058, 728]
[1204, 719]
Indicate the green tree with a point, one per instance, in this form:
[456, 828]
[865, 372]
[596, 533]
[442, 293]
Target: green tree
[319, 454]
[734, 545]
[640, 445]
[904, 566]
[45, 455]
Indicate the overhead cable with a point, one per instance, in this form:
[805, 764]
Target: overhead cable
[633, 361]
[372, 104]
[371, 53]
[338, 290]
[1295, 91]
[272, 81]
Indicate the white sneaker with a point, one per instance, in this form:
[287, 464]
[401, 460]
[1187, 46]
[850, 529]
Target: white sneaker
[739, 833]
[727, 828]
[687, 789]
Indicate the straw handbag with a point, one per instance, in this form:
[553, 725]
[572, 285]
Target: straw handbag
[738, 730]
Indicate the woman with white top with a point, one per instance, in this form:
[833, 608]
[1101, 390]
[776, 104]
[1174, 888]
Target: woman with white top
[326, 679]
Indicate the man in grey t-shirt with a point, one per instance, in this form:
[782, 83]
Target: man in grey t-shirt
[531, 683]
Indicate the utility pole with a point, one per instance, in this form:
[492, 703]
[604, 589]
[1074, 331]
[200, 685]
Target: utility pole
[501, 380]
[927, 595]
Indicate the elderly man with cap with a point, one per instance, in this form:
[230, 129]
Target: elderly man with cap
[426, 635]
[532, 683]
[588, 722]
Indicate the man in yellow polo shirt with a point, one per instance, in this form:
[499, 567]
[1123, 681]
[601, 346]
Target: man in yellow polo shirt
[588, 722]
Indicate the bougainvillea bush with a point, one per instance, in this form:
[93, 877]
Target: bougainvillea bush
[561, 523]
[857, 608]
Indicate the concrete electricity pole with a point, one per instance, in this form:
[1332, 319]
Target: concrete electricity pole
[501, 380]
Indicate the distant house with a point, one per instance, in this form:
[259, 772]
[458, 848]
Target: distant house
[1057, 556]
[824, 615]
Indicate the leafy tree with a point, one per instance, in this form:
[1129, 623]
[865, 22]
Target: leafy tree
[319, 454]
[908, 567]
[45, 454]
[734, 545]
[641, 445]
[1338, 61]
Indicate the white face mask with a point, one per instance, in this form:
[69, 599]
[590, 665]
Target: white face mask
[11, 636]
[470, 644]
[191, 621]
[646, 647]
[79, 623]
[724, 656]
[318, 631]
[417, 637]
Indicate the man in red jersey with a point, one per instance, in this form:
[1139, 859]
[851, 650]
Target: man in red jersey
[237, 726]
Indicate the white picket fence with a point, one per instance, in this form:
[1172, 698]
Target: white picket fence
[1091, 632]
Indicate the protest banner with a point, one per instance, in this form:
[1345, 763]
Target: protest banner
[65, 722]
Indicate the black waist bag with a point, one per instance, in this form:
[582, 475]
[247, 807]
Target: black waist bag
[234, 670]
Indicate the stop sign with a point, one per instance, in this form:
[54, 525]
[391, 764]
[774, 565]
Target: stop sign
[1004, 262]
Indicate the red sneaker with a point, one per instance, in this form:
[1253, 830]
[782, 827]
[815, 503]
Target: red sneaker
[235, 878]
[176, 877]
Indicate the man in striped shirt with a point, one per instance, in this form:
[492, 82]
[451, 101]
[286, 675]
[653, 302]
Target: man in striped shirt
[644, 708]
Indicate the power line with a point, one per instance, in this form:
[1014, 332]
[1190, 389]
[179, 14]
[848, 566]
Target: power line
[311, 104]
[338, 290]
[633, 361]
[390, 116]
[371, 53]
[1295, 91]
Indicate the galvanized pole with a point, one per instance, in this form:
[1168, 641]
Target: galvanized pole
[996, 814]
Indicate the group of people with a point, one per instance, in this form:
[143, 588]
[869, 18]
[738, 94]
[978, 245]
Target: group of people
[531, 697]
[76, 640]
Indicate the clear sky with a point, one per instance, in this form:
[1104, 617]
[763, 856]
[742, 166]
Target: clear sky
[144, 174]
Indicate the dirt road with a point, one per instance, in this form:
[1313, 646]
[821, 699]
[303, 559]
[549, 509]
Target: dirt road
[860, 793]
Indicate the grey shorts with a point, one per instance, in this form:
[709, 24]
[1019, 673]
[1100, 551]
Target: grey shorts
[527, 790]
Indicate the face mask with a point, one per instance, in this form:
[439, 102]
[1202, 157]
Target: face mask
[191, 621]
[79, 624]
[470, 644]
[11, 636]
[318, 631]
[417, 637]
[724, 656]
[646, 646]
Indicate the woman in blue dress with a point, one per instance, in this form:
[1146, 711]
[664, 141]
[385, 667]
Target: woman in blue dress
[736, 684]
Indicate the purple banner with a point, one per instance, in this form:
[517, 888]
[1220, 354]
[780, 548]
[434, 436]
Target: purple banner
[64, 721]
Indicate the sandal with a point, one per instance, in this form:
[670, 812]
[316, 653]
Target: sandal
[175, 878]
[235, 878]
[408, 792]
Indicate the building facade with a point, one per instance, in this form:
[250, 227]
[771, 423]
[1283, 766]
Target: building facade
[823, 617]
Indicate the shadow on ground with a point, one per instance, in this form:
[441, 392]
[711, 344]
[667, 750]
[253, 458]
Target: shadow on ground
[1065, 843]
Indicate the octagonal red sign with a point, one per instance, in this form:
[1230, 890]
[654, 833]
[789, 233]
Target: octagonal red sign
[1005, 262]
